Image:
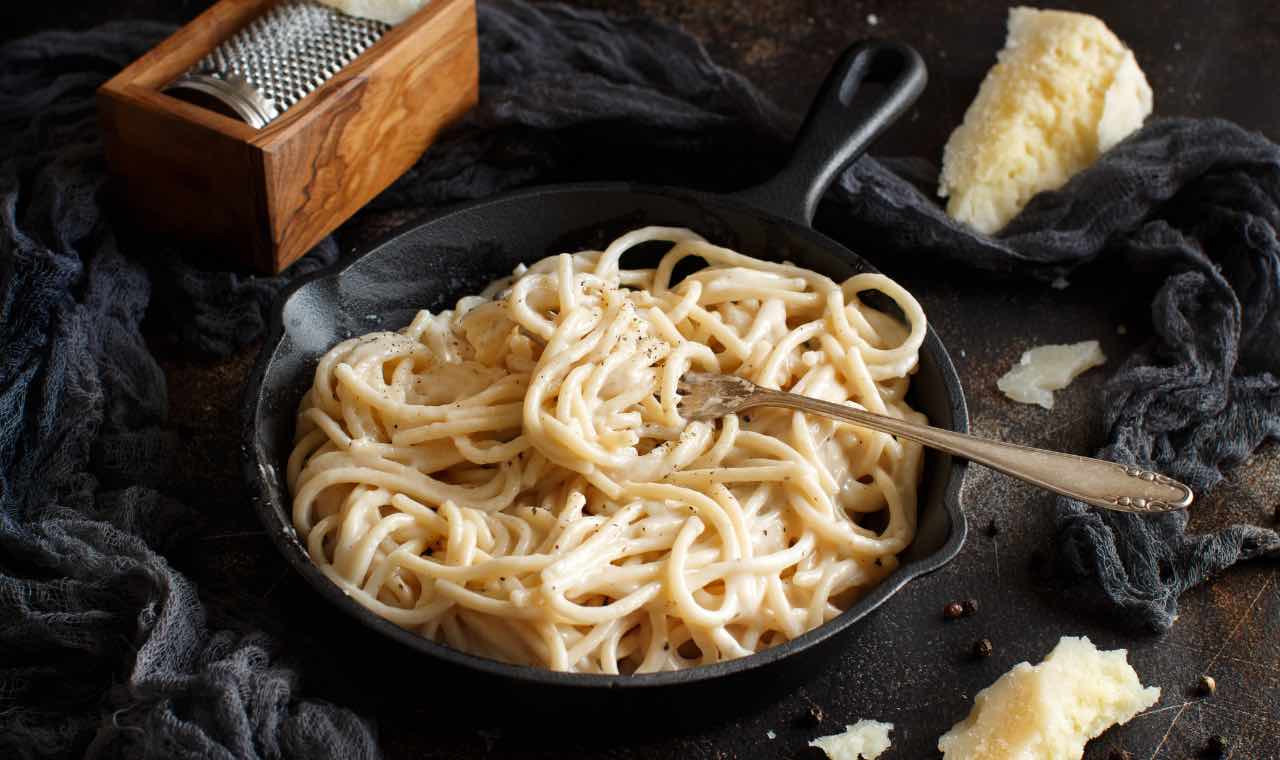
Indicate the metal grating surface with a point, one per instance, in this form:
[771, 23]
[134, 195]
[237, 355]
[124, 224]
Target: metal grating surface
[295, 47]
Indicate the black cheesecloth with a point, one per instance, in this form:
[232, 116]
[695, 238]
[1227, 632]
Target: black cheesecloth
[105, 648]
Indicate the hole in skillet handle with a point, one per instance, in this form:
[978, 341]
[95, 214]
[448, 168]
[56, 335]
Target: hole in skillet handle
[840, 125]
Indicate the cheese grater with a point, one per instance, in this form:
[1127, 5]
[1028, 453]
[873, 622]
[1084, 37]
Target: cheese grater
[302, 116]
[275, 61]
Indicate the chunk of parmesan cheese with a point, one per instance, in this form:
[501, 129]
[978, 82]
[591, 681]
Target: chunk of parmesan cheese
[1064, 89]
[1045, 369]
[866, 739]
[387, 11]
[1049, 711]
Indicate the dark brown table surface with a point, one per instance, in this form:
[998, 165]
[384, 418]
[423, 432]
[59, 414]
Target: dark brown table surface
[907, 666]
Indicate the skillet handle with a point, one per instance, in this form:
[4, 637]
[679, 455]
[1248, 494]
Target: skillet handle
[838, 129]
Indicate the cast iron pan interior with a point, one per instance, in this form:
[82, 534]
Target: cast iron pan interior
[457, 252]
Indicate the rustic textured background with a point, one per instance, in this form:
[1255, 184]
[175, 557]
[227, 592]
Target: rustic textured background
[907, 666]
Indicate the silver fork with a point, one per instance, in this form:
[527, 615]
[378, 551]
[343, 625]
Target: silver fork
[1109, 485]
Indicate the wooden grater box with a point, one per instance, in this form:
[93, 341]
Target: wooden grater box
[266, 196]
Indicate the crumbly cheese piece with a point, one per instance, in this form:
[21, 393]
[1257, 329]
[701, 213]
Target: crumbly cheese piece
[1064, 89]
[1049, 711]
[866, 739]
[1045, 369]
[387, 11]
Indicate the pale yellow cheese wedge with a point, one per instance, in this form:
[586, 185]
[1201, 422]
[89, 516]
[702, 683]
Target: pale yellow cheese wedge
[387, 11]
[1049, 711]
[864, 740]
[1064, 90]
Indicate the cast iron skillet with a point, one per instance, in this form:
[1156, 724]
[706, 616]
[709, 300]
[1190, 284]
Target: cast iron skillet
[458, 251]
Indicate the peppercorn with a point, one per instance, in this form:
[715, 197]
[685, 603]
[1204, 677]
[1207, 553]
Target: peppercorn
[953, 610]
[969, 607]
[1208, 686]
[982, 648]
[811, 717]
[1218, 746]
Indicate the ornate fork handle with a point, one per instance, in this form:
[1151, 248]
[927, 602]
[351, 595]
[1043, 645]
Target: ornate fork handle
[1109, 485]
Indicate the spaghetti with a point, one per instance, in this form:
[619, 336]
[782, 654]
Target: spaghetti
[513, 478]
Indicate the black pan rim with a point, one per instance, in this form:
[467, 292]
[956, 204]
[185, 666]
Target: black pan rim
[256, 473]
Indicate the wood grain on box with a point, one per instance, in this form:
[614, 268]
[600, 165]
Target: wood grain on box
[267, 196]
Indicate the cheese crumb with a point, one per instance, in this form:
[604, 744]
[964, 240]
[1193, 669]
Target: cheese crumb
[1049, 711]
[1045, 369]
[771, 734]
[387, 11]
[1064, 90]
[866, 739]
